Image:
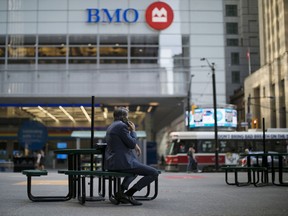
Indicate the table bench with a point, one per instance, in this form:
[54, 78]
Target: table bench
[110, 175]
[38, 173]
[248, 170]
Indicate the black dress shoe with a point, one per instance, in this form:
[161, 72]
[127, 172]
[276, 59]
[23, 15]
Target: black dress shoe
[114, 200]
[118, 197]
[129, 199]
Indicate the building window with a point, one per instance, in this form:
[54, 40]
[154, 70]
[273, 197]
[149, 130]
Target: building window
[144, 52]
[235, 77]
[52, 49]
[232, 28]
[232, 42]
[147, 40]
[21, 49]
[2, 46]
[113, 49]
[253, 26]
[235, 60]
[231, 10]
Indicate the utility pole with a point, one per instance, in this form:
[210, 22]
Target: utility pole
[212, 66]
[249, 116]
[188, 101]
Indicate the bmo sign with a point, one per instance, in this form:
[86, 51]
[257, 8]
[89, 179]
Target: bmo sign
[159, 15]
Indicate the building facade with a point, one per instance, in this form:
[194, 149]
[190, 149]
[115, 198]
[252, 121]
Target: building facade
[266, 89]
[60, 53]
[242, 38]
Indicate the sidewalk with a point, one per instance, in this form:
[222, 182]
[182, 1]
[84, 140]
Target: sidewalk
[180, 194]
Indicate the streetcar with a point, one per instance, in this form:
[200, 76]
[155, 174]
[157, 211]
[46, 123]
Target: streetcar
[230, 145]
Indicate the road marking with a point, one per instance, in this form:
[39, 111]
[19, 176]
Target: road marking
[184, 177]
[44, 182]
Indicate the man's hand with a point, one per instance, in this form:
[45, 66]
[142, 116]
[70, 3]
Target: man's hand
[131, 126]
[138, 150]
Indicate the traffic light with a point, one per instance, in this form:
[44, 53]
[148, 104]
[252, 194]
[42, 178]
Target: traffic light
[193, 107]
[254, 123]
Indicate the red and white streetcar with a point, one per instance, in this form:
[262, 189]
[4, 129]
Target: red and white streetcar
[230, 144]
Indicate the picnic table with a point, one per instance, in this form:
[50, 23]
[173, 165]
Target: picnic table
[265, 163]
[76, 179]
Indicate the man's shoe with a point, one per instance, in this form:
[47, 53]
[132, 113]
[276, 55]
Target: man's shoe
[114, 200]
[118, 196]
[130, 199]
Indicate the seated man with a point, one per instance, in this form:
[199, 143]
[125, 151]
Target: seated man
[121, 141]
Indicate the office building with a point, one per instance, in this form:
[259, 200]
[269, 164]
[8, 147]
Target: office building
[266, 89]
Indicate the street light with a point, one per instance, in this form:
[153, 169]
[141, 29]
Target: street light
[188, 101]
[212, 66]
[249, 115]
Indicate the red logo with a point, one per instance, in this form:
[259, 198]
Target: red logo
[159, 15]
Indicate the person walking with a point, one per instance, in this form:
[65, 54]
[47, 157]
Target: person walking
[40, 160]
[192, 163]
[120, 156]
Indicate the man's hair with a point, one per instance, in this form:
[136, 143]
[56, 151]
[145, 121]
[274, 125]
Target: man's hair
[120, 113]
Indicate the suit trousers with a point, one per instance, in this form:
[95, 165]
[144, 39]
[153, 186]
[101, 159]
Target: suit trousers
[149, 174]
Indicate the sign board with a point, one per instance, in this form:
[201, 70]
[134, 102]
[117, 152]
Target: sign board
[204, 117]
[32, 135]
[159, 15]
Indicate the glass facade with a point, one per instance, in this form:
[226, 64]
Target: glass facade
[51, 50]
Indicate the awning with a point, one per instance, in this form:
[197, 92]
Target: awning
[100, 134]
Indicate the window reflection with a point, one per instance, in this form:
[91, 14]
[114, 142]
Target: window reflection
[113, 51]
[52, 51]
[144, 51]
[86, 49]
[83, 51]
[18, 52]
[2, 51]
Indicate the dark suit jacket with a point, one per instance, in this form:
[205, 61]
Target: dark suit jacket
[119, 153]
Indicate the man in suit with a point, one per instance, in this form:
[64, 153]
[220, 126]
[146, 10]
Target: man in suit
[121, 140]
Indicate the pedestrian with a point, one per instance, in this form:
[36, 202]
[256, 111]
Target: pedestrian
[120, 156]
[192, 162]
[40, 160]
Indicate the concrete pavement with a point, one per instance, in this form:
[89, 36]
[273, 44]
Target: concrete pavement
[180, 194]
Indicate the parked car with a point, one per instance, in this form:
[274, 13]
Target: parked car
[253, 159]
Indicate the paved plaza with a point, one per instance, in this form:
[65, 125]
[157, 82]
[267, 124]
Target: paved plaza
[180, 194]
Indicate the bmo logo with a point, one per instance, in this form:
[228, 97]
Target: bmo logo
[159, 15]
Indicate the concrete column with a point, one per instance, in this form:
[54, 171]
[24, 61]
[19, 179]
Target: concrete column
[9, 149]
[78, 143]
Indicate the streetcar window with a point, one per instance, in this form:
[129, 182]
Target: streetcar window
[206, 146]
[222, 146]
[181, 148]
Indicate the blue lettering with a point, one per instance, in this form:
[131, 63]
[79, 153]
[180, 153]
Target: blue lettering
[125, 16]
[129, 15]
[93, 15]
[109, 17]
